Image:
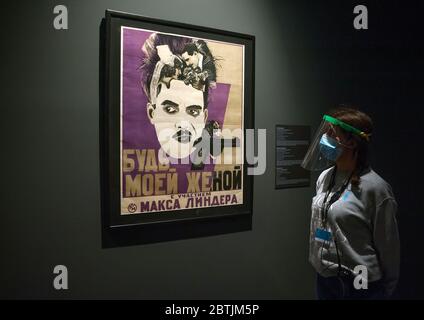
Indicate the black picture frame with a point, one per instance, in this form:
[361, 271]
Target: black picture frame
[139, 228]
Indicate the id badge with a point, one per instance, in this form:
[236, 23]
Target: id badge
[322, 235]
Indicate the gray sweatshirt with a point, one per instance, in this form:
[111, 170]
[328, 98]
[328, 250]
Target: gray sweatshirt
[363, 221]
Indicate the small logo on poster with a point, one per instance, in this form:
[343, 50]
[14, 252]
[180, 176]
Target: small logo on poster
[132, 207]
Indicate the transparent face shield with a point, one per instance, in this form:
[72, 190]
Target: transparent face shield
[325, 147]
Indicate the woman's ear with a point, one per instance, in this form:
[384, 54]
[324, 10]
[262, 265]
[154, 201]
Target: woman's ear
[150, 112]
[352, 143]
[348, 141]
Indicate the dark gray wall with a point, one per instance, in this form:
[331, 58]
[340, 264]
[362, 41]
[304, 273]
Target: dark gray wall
[50, 211]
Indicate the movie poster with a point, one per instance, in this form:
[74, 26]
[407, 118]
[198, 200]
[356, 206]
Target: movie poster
[182, 114]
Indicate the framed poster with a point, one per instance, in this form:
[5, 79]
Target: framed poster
[177, 101]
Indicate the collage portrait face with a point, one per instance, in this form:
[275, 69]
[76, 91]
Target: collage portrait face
[179, 116]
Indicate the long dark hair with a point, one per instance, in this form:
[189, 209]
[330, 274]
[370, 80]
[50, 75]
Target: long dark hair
[358, 119]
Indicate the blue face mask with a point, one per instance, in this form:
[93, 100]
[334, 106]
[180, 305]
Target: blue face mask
[330, 148]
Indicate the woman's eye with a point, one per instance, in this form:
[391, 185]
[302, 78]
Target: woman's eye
[332, 133]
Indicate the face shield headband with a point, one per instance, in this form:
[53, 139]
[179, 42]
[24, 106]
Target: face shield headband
[324, 149]
[347, 127]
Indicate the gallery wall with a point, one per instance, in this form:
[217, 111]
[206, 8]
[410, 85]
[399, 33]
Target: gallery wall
[308, 58]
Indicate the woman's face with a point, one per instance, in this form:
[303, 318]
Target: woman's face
[341, 136]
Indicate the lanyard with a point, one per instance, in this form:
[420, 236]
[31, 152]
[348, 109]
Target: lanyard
[326, 206]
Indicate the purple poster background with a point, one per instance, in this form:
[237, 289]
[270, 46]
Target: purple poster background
[137, 131]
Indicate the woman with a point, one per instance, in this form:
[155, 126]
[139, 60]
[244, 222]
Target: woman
[354, 242]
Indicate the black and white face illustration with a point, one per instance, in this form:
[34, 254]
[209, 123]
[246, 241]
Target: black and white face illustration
[191, 60]
[179, 118]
